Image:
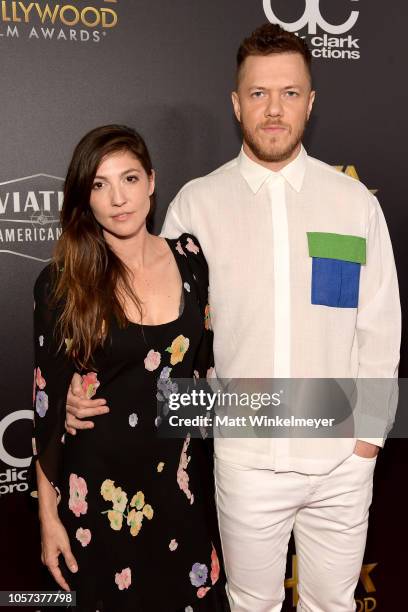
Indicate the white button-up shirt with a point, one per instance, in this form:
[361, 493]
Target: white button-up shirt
[253, 227]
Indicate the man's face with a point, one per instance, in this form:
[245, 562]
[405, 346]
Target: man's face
[273, 102]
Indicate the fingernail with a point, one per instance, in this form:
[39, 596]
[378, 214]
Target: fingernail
[74, 568]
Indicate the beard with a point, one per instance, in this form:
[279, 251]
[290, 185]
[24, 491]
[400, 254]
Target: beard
[273, 151]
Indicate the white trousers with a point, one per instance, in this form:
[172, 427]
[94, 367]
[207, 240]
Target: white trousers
[257, 511]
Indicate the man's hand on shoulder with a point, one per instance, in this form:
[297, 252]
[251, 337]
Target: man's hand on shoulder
[79, 407]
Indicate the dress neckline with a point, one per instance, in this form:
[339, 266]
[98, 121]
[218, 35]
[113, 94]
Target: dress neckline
[174, 321]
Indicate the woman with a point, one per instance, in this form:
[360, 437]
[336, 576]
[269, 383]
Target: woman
[131, 515]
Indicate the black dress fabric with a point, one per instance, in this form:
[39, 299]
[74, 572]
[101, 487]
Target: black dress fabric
[138, 509]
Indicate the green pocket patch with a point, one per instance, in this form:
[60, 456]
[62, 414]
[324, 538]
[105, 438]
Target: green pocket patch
[337, 260]
[337, 246]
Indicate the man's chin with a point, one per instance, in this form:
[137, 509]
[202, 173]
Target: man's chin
[274, 155]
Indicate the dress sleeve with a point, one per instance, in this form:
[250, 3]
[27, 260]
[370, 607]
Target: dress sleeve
[204, 360]
[52, 375]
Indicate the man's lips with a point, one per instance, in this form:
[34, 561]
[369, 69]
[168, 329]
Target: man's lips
[274, 128]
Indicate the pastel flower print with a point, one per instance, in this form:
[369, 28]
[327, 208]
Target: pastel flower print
[215, 566]
[179, 248]
[115, 520]
[77, 493]
[173, 545]
[138, 500]
[83, 536]
[178, 349]
[133, 419]
[190, 246]
[135, 520]
[41, 403]
[202, 592]
[182, 476]
[40, 381]
[165, 386]
[198, 574]
[123, 579]
[148, 512]
[119, 499]
[107, 490]
[152, 360]
[90, 383]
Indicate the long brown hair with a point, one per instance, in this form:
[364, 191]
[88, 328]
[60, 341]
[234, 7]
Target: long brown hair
[90, 280]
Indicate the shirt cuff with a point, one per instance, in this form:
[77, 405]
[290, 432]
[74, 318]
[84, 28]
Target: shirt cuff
[377, 441]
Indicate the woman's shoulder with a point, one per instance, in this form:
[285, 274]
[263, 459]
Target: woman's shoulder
[189, 246]
[190, 252]
[45, 280]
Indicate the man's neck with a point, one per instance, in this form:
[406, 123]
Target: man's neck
[273, 166]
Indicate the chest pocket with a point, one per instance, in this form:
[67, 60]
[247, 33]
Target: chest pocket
[337, 261]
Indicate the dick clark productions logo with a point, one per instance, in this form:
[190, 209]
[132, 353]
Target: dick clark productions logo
[322, 44]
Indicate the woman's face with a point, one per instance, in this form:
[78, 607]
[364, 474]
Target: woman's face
[120, 195]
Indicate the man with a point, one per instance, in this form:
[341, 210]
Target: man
[302, 284]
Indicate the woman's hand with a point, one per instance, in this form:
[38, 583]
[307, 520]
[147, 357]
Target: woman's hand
[79, 407]
[54, 542]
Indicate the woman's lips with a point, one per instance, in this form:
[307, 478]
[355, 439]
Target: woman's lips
[122, 216]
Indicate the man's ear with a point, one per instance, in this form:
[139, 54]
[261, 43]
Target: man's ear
[236, 105]
[312, 97]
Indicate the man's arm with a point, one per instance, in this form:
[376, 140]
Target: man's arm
[378, 331]
[177, 219]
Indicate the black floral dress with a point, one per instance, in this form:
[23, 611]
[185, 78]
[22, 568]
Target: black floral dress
[138, 509]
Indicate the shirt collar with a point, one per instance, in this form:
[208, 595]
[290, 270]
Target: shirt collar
[256, 175]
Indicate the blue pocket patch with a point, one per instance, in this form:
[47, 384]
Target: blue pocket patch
[335, 282]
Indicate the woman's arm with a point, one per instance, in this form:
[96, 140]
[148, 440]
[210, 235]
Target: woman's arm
[54, 538]
[53, 371]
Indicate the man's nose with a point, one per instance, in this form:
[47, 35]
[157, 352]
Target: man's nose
[274, 106]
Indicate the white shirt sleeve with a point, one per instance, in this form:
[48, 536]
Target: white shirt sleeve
[177, 219]
[378, 326]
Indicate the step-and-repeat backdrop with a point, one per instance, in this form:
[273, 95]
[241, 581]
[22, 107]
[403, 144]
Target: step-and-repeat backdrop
[167, 68]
